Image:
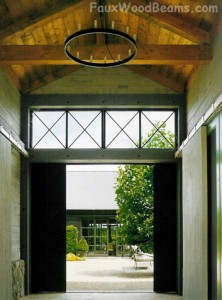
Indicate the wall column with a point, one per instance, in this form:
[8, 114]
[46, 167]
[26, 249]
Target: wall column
[5, 219]
[195, 265]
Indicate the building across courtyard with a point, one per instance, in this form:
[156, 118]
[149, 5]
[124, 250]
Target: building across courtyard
[91, 207]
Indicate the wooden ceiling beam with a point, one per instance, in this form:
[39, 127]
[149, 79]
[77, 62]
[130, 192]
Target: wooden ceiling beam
[154, 76]
[34, 21]
[167, 21]
[149, 55]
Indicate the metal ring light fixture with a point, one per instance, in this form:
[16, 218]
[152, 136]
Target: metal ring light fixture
[107, 31]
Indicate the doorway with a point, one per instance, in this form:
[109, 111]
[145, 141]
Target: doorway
[93, 209]
[214, 146]
[42, 253]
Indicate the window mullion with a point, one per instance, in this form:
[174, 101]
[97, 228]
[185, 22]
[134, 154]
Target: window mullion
[31, 129]
[67, 124]
[140, 130]
[103, 129]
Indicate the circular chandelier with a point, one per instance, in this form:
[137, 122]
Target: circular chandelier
[105, 54]
[107, 31]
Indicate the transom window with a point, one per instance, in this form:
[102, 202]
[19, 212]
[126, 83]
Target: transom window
[82, 129]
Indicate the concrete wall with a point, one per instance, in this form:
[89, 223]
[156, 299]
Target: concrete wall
[15, 204]
[205, 87]
[9, 187]
[103, 81]
[5, 225]
[9, 102]
[195, 265]
[203, 91]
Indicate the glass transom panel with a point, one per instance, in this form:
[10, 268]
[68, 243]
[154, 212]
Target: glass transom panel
[84, 129]
[48, 129]
[116, 129]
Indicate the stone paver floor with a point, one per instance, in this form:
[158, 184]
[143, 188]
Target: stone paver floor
[103, 296]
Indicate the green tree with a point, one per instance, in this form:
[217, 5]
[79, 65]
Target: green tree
[134, 194]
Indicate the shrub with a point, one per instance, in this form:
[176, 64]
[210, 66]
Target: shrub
[71, 239]
[83, 246]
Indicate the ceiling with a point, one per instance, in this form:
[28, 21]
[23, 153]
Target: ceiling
[171, 46]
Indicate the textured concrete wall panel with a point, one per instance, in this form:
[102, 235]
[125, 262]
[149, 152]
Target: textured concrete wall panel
[195, 218]
[206, 86]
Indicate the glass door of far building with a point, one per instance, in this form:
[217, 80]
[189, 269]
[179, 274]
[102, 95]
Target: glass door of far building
[102, 237]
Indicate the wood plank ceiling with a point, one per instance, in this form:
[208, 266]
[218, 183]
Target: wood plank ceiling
[170, 45]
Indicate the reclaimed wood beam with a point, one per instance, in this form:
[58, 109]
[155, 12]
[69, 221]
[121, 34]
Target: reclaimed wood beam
[34, 21]
[166, 21]
[149, 55]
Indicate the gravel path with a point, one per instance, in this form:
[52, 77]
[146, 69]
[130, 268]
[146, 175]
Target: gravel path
[108, 274]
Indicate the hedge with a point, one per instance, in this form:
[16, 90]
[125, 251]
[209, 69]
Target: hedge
[71, 239]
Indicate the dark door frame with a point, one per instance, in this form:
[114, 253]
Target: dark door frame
[48, 228]
[214, 146]
[26, 223]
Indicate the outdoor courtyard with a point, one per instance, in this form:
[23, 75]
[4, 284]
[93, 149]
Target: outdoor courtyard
[107, 278]
[109, 274]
